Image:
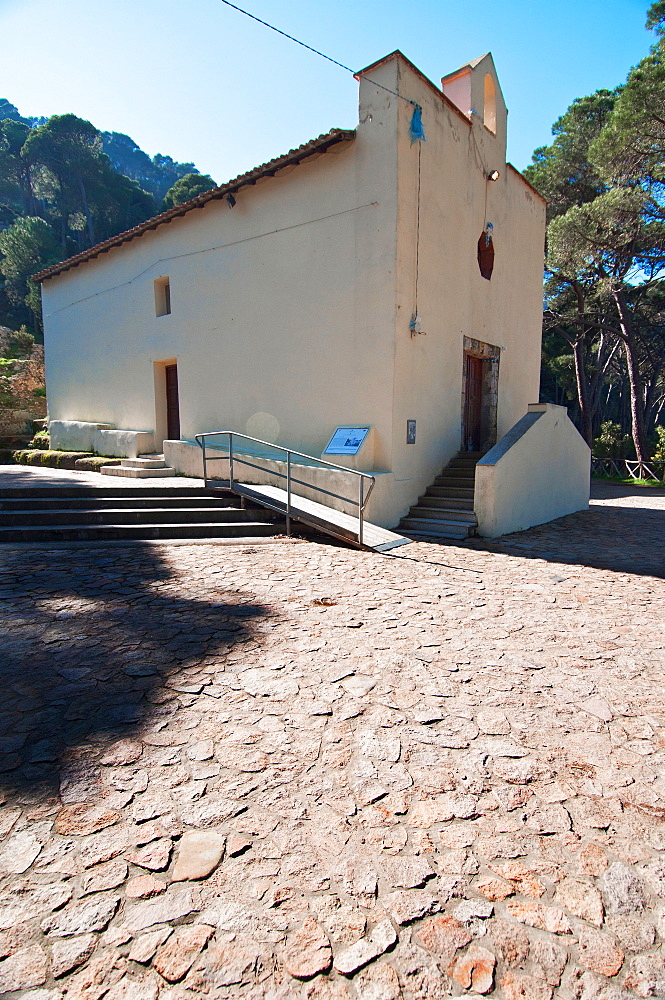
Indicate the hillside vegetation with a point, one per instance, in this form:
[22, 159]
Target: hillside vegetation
[65, 186]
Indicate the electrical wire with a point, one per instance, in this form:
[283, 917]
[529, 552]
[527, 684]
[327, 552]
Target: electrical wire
[220, 246]
[420, 146]
[316, 52]
[290, 37]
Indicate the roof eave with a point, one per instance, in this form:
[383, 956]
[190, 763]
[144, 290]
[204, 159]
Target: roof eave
[269, 169]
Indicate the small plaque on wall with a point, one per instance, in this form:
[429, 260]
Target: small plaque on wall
[410, 432]
[346, 441]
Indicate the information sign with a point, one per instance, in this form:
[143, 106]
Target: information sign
[346, 441]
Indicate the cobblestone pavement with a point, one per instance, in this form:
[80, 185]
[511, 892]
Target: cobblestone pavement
[291, 770]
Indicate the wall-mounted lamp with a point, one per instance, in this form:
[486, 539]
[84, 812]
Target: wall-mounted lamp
[230, 200]
[493, 175]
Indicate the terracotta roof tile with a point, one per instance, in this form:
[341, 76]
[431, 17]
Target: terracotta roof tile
[294, 156]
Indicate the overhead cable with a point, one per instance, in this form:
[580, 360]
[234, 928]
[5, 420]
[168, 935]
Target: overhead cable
[316, 52]
[290, 37]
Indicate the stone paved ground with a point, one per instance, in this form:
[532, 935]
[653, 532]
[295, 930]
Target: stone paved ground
[297, 771]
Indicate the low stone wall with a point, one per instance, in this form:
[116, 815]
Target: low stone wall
[15, 423]
[23, 389]
[538, 471]
[103, 439]
[49, 459]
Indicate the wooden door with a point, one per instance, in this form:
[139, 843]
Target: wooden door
[172, 406]
[473, 404]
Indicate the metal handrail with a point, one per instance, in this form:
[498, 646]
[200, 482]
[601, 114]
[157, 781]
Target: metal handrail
[360, 503]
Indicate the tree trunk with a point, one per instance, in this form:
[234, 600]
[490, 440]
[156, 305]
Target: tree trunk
[579, 357]
[634, 377]
[586, 417]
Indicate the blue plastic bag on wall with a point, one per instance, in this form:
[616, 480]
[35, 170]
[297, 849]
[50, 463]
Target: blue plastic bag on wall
[416, 129]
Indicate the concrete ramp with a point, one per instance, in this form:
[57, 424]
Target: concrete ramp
[324, 518]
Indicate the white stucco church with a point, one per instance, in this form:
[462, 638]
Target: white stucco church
[387, 277]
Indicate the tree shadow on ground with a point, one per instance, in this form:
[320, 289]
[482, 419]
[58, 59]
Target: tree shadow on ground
[91, 636]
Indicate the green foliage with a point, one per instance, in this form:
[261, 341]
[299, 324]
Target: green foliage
[93, 463]
[15, 190]
[630, 151]
[612, 442]
[40, 440]
[154, 175]
[10, 111]
[186, 188]
[656, 17]
[22, 340]
[65, 186]
[26, 247]
[49, 459]
[608, 239]
[563, 172]
[604, 178]
[659, 450]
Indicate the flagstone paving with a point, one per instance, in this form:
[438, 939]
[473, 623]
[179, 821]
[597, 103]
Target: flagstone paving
[298, 771]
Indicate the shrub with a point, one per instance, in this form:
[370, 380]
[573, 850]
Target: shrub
[94, 463]
[612, 442]
[659, 450]
[40, 440]
[22, 341]
[50, 459]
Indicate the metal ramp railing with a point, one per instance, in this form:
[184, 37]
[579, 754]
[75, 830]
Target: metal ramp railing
[349, 528]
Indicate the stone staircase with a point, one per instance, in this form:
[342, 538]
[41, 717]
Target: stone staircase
[446, 509]
[101, 514]
[144, 467]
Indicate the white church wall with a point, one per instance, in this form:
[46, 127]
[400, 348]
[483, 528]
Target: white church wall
[282, 308]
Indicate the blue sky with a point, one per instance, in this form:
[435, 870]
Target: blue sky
[203, 83]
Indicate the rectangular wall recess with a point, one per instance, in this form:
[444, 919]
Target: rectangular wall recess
[162, 296]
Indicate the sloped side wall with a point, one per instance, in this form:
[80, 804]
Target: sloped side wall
[538, 471]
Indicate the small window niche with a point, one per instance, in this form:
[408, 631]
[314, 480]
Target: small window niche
[489, 107]
[162, 296]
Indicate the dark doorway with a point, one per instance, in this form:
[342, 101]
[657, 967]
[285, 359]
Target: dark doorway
[480, 395]
[172, 405]
[473, 404]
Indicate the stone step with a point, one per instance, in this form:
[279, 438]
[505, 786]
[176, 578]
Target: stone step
[107, 513]
[445, 503]
[464, 468]
[108, 491]
[451, 478]
[445, 510]
[427, 528]
[144, 462]
[139, 532]
[438, 514]
[131, 516]
[117, 502]
[451, 492]
[134, 472]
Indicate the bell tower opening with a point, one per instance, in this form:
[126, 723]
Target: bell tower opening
[489, 103]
